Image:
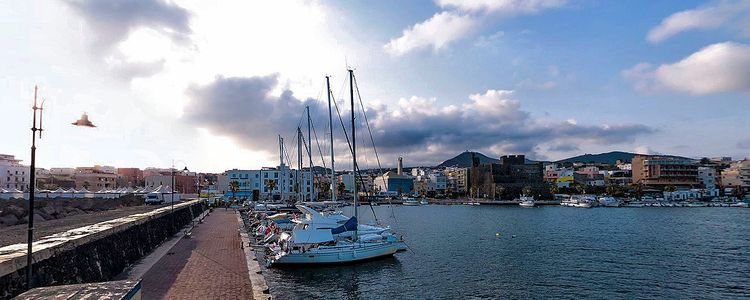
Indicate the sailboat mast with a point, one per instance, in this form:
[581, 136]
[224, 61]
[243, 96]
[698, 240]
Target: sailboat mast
[330, 126]
[354, 147]
[300, 182]
[281, 167]
[309, 153]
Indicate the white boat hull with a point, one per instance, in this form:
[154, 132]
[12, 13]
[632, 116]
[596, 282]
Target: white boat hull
[339, 254]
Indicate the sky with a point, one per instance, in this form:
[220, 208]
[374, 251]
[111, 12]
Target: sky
[211, 85]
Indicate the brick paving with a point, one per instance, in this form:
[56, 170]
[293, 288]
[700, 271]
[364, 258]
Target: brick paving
[209, 265]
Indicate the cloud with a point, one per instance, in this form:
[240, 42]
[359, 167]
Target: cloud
[722, 67]
[245, 109]
[436, 33]
[110, 22]
[416, 128]
[508, 7]
[744, 144]
[732, 15]
[645, 150]
[458, 20]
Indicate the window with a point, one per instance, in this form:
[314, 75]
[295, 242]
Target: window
[265, 175]
[275, 175]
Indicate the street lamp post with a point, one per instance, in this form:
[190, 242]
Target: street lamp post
[83, 121]
[32, 188]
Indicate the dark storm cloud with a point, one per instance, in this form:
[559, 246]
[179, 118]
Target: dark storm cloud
[416, 128]
[244, 109]
[110, 22]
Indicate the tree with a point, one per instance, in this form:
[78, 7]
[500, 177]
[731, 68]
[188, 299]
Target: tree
[738, 192]
[499, 190]
[705, 161]
[581, 188]
[612, 190]
[670, 188]
[638, 190]
[341, 188]
[553, 189]
[526, 191]
[324, 188]
[234, 187]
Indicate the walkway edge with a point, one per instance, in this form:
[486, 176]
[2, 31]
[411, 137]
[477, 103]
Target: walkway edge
[260, 288]
[143, 265]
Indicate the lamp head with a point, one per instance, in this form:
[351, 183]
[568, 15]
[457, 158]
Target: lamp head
[84, 121]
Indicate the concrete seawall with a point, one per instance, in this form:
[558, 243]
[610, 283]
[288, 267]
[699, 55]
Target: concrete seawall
[92, 253]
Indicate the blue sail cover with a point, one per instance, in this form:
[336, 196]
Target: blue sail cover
[350, 225]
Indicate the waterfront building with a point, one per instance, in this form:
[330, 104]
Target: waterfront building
[95, 178]
[395, 181]
[512, 174]
[550, 173]
[256, 184]
[457, 179]
[661, 171]
[736, 175]
[707, 177]
[13, 175]
[565, 178]
[184, 183]
[130, 177]
[348, 180]
[621, 177]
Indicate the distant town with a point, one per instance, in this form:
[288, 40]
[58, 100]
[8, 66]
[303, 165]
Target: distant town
[470, 174]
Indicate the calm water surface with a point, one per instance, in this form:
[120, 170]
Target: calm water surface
[547, 252]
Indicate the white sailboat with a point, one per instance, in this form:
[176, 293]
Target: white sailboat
[313, 244]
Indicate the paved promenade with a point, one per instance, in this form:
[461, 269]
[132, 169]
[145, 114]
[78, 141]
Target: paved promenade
[209, 265]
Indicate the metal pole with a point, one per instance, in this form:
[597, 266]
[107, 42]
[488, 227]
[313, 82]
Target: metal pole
[309, 153]
[330, 125]
[300, 194]
[281, 167]
[32, 189]
[171, 197]
[354, 148]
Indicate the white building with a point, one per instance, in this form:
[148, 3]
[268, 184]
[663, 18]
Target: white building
[13, 175]
[707, 177]
[348, 180]
[256, 183]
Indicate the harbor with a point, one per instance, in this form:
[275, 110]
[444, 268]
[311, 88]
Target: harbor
[501, 251]
[429, 149]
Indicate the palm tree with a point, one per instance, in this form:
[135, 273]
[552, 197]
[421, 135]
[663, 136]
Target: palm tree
[270, 185]
[234, 187]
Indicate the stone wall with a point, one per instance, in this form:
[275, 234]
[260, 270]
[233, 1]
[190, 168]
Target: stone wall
[93, 253]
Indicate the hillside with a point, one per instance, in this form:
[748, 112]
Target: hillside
[605, 158]
[463, 160]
